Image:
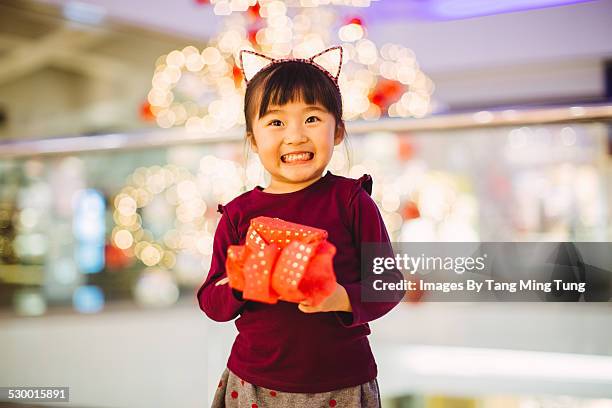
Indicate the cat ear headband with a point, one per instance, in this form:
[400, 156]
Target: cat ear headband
[328, 61]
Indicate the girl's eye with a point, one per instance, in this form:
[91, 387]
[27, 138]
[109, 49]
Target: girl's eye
[313, 117]
[273, 122]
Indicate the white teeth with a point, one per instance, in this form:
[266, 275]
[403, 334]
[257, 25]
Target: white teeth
[296, 157]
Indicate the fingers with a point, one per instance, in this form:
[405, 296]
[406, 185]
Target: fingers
[222, 281]
[306, 309]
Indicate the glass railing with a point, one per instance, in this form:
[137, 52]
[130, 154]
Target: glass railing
[87, 221]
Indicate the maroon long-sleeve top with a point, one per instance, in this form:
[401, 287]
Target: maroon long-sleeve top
[278, 346]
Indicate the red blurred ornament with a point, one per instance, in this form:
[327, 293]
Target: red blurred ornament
[115, 257]
[499, 184]
[392, 89]
[253, 11]
[385, 92]
[251, 35]
[415, 295]
[145, 112]
[202, 2]
[237, 75]
[355, 20]
[378, 98]
[410, 211]
[406, 149]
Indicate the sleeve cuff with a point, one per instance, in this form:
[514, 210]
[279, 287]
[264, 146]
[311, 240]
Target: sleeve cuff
[237, 295]
[234, 299]
[351, 319]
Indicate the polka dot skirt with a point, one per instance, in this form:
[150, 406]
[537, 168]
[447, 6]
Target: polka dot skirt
[234, 392]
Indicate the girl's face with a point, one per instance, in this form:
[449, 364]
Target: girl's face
[295, 143]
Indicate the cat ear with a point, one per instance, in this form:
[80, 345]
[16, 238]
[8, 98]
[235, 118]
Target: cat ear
[330, 60]
[252, 62]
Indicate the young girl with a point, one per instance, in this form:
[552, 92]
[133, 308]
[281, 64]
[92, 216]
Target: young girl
[288, 354]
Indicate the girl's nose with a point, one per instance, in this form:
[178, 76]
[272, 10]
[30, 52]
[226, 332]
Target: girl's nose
[295, 135]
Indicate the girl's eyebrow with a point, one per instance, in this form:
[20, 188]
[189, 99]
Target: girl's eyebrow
[306, 109]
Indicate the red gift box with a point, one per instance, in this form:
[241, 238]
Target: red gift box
[282, 260]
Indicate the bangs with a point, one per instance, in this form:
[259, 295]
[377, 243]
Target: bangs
[299, 82]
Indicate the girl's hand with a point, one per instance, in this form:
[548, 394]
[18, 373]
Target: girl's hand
[337, 301]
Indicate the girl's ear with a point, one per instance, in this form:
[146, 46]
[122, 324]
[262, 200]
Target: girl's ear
[252, 142]
[339, 134]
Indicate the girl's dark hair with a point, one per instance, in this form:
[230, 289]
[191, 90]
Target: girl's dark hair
[291, 81]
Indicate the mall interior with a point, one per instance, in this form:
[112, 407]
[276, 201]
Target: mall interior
[122, 130]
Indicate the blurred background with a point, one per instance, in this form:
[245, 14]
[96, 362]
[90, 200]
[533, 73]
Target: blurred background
[121, 132]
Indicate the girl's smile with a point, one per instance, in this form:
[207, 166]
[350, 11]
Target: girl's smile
[294, 158]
